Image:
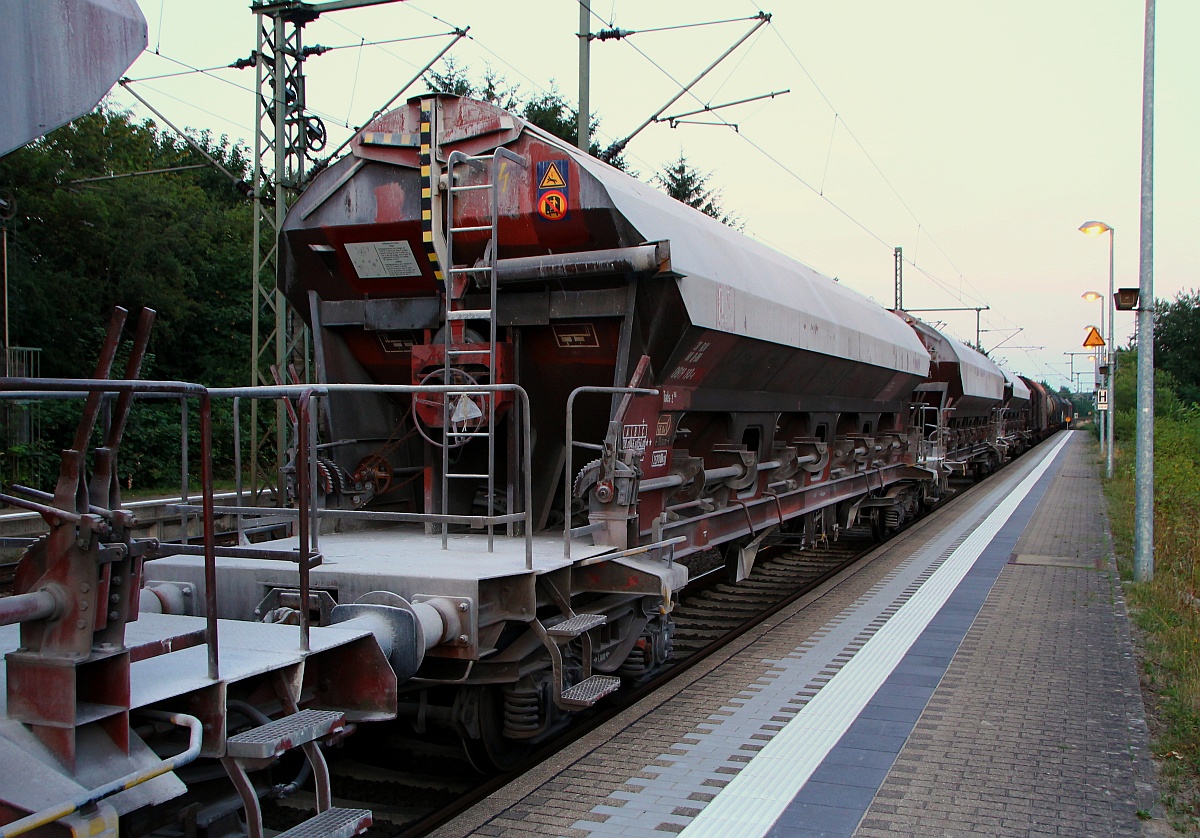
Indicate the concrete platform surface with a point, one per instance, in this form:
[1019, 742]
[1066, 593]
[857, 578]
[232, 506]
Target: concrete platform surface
[974, 675]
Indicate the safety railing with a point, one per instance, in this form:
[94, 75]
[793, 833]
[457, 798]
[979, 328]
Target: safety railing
[306, 472]
[571, 444]
[38, 388]
[307, 512]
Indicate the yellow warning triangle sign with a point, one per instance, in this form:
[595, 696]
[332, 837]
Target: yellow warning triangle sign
[1093, 338]
[553, 178]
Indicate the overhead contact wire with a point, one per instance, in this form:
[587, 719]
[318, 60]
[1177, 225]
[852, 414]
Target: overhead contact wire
[871, 159]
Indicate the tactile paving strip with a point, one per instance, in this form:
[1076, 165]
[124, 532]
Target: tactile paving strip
[719, 749]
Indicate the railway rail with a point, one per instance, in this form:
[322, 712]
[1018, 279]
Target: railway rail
[409, 802]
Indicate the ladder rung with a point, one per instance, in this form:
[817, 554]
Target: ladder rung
[478, 229]
[590, 690]
[282, 735]
[470, 314]
[468, 435]
[468, 159]
[468, 476]
[465, 352]
[471, 270]
[577, 625]
[471, 188]
[332, 823]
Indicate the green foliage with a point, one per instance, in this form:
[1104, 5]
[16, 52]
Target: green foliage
[1176, 336]
[685, 183]
[1167, 609]
[491, 87]
[549, 111]
[177, 242]
[1124, 396]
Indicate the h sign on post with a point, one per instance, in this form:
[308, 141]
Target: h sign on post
[1102, 399]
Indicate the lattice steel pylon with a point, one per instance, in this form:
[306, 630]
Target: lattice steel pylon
[284, 136]
[280, 148]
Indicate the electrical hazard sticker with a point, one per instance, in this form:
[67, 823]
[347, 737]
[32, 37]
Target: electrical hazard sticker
[551, 178]
[553, 189]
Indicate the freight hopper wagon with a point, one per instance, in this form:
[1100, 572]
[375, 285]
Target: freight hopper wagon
[1017, 433]
[1048, 410]
[121, 710]
[962, 405]
[550, 390]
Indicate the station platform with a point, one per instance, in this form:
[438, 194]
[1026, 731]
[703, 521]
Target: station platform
[973, 675]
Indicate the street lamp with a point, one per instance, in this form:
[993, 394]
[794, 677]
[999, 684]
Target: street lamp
[1096, 228]
[1101, 415]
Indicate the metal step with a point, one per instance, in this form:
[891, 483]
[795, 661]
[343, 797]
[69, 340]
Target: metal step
[575, 626]
[280, 736]
[469, 314]
[590, 690]
[332, 823]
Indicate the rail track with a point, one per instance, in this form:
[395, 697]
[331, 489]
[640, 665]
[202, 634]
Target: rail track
[413, 787]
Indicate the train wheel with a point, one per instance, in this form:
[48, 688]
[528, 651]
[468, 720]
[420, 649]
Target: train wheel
[878, 530]
[492, 751]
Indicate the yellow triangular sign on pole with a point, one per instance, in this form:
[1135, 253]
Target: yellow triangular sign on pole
[553, 179]
[1093, 338]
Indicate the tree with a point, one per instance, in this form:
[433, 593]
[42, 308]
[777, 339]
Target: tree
[1084, 403]
[1123, 398]
[177, 242]
[685, 183]
[456, 80]
[1176, 337]
[549, 111]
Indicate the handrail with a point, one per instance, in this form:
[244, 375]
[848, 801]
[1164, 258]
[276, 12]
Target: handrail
[567, 476]
[181, 389]
[323, 390]
[50, 815]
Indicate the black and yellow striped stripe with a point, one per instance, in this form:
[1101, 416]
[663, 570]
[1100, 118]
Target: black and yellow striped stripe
[427, 187]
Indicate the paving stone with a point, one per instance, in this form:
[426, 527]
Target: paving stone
[1030, 728]
[1043, 677]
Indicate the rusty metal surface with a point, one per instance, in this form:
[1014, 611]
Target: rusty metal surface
[732, 283]
[981, 377]
[1020, 392]
[975, 382]
[60, 58]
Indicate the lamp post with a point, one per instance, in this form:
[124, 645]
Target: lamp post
[1102, 415]
[1096, 228]
[1143, 537]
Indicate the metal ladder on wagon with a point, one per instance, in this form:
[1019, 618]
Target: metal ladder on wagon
[458, 409]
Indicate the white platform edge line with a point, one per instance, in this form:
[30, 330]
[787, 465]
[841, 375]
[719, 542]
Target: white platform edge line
[770, 781]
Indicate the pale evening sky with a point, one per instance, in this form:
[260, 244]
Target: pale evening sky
[991, 130]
